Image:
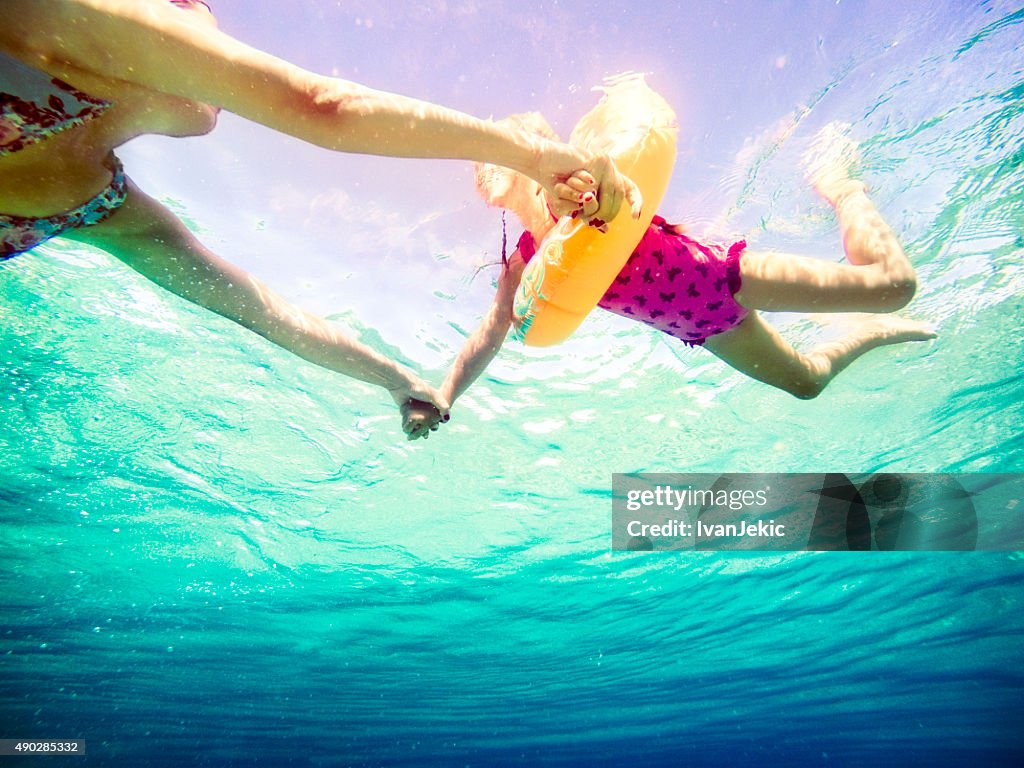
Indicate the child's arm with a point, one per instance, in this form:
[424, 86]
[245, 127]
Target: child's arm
[478, 351]
[483, 344]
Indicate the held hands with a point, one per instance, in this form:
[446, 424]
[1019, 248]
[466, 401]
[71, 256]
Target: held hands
[414, 389]
[423, 408]
[589, 185]
[579, 190]
[419, 419]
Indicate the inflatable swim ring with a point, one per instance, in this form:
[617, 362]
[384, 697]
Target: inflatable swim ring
[574, 264]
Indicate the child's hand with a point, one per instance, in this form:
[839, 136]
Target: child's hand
[419, 419]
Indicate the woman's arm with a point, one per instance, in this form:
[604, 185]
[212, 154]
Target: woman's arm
[150, 239]
[155, 45]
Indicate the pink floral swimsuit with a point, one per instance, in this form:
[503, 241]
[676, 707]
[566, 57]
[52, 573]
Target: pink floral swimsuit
[33, 107]
[674, 283]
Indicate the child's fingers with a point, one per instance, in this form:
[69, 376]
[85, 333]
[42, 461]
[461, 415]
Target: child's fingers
[610, 196]
[560, 207]
[610, 202]
[423, 430]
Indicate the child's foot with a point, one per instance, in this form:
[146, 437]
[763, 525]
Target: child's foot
[829, 161]
[896, 330]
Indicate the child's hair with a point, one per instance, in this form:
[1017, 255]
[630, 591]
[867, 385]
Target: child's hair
[505, 188]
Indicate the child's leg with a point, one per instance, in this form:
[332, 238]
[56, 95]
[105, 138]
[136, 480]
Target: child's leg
[756, 349]
[880, 279]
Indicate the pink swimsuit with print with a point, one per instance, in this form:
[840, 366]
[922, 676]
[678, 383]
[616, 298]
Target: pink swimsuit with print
[674, 283]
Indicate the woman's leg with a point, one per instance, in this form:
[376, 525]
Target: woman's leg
[756, 349]
[878, 278]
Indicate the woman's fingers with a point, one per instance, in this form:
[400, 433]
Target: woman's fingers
[581, 195]
[586, 178]
[575, 196]
[582, 182]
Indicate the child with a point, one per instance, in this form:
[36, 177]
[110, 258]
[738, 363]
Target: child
[709, 295]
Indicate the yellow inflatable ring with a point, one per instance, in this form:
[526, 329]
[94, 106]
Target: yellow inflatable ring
[574, 264]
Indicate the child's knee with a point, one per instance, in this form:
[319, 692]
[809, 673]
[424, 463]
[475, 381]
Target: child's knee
[904, 286]
[811, 380]
[806, 389]
[892, 288]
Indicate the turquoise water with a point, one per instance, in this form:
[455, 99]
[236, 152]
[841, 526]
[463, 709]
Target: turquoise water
[213, 554]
